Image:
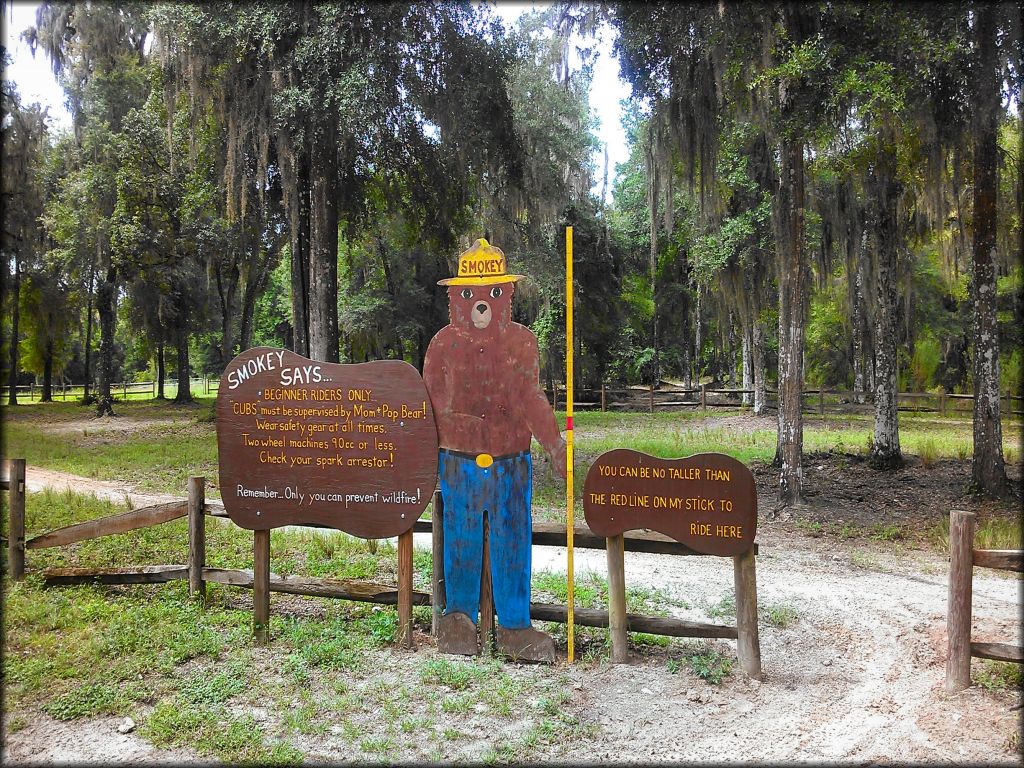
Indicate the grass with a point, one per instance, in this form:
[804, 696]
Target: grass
[78, 652]
[998, 675]
[992, 532]
[704, 660]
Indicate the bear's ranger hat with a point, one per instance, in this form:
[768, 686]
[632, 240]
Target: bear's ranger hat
[483, 264]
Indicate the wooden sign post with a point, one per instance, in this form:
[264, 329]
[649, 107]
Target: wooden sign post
[707, 502]
[352, 447]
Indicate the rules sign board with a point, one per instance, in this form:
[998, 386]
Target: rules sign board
[352, 447]
[707, 501]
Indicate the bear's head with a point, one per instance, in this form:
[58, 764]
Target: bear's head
[483, 310]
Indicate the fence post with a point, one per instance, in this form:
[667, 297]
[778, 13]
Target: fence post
[617, 598]
[437, 561]
[196, 536]
[16, 520]
[652, 397]
[703, 397]
[821, 402]
[748, 643]
[31, 391]
[405, 589]
[958, 618]
[602, 397]
[942, 403]
[261, 586]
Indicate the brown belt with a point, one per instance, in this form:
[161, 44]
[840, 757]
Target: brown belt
[485, 460]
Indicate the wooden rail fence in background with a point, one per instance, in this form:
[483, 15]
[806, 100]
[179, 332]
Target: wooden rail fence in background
[963, 559]
[636, 396]
[704, 397]
[262, 581]
[64, 390]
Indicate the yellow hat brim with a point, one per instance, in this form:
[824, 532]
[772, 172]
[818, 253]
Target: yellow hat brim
[483, 280]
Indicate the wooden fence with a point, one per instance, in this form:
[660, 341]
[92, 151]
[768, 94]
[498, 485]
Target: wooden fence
[262, 581]
[963, 559]
[67, 391]
[815, 401]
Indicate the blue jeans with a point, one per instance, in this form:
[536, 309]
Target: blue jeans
[502, 491]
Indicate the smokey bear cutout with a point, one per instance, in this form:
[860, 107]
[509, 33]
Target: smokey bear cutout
[482, 376]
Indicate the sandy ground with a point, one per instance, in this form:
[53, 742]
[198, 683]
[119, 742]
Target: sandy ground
[857, 677]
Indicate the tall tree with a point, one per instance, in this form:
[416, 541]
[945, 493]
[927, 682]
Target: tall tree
[23, 139]
[96, 49]
[988, 471]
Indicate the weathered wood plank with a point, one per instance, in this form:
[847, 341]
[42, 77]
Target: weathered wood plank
[958, 612]
[616, 599]
[1000, 559]
[998, 652]
[196, 537]
[437, 561]
[655, 625]
[748, 645]
[261, 586]
[345, 589]
[16, 520]
[144, 574]
[110, 525]
[405, 589]
[215, 509]
[553, 535]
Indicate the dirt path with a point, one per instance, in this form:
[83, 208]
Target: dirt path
[856, 676]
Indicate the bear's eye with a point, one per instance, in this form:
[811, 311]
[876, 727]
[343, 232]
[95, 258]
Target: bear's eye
[467, 294]
[495, 292]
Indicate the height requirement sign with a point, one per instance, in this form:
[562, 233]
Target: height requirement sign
[352, 447]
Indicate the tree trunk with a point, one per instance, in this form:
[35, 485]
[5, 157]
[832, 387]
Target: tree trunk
[748, 370]
[106, 305]
[297, 202]
[789, 240]
[226, 294]
[184, 383]
[730, 363]
[323, 252]
[757, 343]
[12, 371]
[858, 317]
[161, 371]
[988, 472]
[885, 451]
[47, 395]
[88, 332]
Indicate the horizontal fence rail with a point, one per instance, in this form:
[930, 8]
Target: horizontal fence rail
[815, 400]
[63, 391]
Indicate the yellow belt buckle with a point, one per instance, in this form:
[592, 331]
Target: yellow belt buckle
[484, 460]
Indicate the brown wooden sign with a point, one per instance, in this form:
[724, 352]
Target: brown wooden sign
[352, 447]
[707, 502]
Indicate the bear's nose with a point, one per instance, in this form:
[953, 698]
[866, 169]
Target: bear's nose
[481, 308]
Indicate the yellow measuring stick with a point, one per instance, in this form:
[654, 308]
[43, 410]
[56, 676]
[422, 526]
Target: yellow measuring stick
[568, 432]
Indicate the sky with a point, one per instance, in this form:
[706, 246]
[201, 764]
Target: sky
[35, 82]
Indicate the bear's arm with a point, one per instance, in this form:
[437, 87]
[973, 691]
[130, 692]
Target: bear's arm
[534, 403]
[435, 374]
[454, 429]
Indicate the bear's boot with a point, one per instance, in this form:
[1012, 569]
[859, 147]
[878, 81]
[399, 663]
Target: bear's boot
[456, 633]
[526, 644]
